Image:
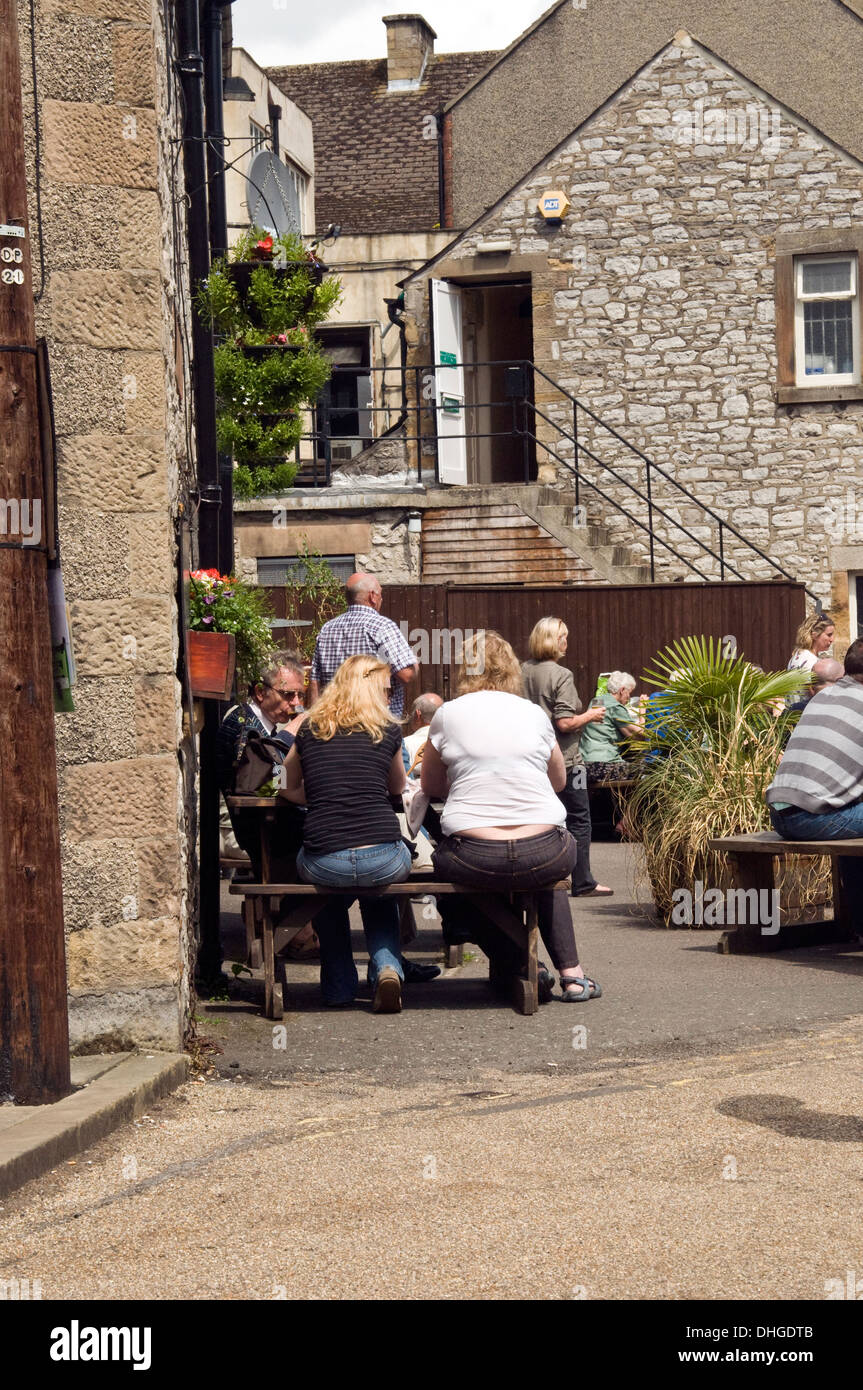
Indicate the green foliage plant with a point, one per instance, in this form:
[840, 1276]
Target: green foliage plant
[223, 603]
[712, 743]
[318, 589]
[269, 366]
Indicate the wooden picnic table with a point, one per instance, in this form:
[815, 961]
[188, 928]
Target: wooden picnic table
[753, 860]
[516, 914]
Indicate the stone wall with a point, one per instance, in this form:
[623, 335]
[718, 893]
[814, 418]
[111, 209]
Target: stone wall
[655, 306]
[378, 537]
[112, 309]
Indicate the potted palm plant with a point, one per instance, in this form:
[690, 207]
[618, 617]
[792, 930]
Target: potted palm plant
[714, 734]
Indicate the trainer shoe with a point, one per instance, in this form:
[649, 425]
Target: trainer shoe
[388, 993]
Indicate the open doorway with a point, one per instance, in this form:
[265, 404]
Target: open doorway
[481, 324]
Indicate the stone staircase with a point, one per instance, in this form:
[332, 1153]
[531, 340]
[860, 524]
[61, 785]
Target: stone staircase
[613, 563]
[518, 535]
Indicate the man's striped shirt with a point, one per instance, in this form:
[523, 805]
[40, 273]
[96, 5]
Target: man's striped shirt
[822, 767]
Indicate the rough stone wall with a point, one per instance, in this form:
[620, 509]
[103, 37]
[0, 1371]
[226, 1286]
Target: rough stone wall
[392, 552]
[657, 310]
[111, 308]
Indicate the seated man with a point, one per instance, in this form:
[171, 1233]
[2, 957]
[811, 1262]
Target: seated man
[422, 713]
[817, 793]
[274, 699]
[825, 672]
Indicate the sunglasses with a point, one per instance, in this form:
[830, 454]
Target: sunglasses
[285, 694]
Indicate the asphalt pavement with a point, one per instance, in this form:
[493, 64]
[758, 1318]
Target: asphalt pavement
[696, 1133]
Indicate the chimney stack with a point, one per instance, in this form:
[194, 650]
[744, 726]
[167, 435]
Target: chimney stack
[410, 45]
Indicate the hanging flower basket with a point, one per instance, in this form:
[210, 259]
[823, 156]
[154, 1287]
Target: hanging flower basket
[211, 659]
[240, 275]
[269, 367]
[241, 272]
[257, 351]
[229, 625]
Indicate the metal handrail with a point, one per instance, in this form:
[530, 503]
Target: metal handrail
[421, 405]
[653, 506]
[651, 463]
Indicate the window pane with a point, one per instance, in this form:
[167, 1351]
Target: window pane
[827, 277]
[828, 342]
[273, 573]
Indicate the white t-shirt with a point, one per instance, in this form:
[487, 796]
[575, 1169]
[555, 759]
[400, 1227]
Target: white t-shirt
[414, 742]
[495, 748]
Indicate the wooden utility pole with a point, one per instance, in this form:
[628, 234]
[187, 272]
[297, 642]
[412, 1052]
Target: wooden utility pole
[34, 1029]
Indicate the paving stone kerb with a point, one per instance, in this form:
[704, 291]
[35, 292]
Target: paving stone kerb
[57, 1132]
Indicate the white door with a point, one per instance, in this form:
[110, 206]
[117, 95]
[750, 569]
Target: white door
[446, 305]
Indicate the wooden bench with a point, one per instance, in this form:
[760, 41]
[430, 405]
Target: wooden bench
[515, 914]
[753, 860]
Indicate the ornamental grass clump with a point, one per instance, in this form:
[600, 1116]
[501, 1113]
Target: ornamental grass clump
[223, 603]
[715, 731]
[264, 302]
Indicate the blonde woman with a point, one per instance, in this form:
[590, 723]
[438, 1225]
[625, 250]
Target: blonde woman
[494, 757]
[814, 638]
[551, 686]
[344, 765]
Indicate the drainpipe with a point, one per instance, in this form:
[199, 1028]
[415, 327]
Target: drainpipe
[191, 68]
[218, 215]
[395, 314]
[441, 170]
[275, 117]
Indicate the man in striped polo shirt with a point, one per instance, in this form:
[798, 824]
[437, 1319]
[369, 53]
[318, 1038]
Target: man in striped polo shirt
[363, 631]
[817, 793]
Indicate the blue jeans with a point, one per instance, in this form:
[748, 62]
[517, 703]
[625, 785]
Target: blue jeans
[844, 824]
[372, 867]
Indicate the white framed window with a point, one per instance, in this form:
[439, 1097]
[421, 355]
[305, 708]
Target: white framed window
[277, 571]
[855, 605]
[301, 184]
[827, 320]
[257, 138]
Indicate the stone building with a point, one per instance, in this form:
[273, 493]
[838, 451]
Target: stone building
[376, 151]
[694, 284]
[105, 186]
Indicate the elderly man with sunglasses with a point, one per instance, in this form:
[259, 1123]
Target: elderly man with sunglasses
[277, 698]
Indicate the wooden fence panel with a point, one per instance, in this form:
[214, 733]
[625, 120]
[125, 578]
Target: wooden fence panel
[610, 626]
[616, 627]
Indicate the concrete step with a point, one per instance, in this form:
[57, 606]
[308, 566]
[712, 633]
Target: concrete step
[554, 511]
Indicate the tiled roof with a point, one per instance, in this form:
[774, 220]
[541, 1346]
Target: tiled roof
[376, 152]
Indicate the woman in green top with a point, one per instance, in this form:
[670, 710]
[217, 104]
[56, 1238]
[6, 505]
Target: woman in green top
[601, 742]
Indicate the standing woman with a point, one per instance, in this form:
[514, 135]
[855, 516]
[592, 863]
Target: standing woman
[494, 758]
[344, 765]
[551, 686]
[814, 638]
